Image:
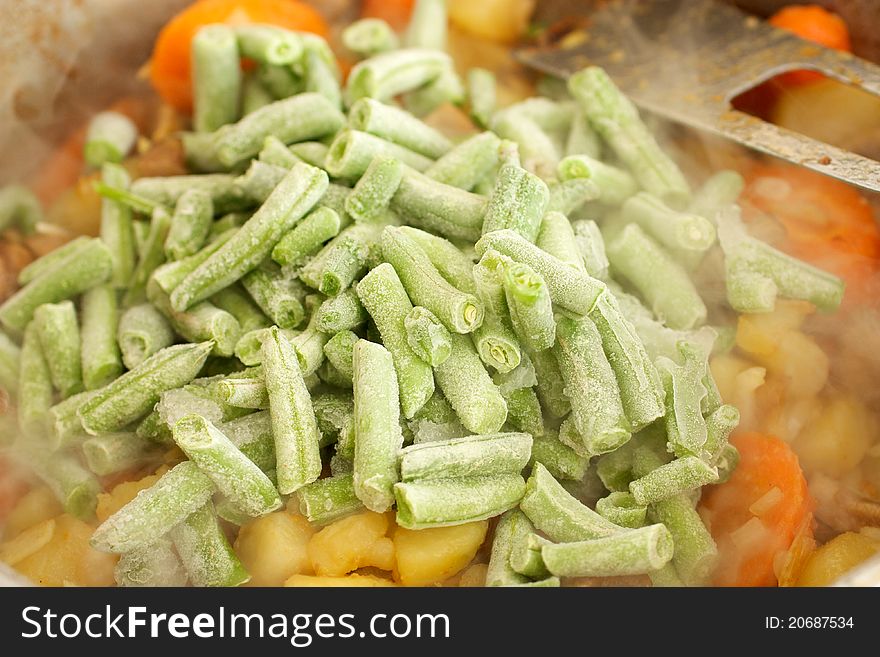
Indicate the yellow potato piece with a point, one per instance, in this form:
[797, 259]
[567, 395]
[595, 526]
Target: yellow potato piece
[68, 559]
[365, 581]
[835, 442]
[38, 505]
[496, 20]
[350, 543]
[122, 494]
[27, 542]
[274, 547]
[428, 556]
[836, 557]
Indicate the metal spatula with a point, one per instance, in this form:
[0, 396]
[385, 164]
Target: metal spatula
[685, 60]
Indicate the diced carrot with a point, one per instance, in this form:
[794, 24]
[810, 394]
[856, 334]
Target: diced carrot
[749, 544]
[170, 64]
[816, 24]
[827, 222]
[394, 12]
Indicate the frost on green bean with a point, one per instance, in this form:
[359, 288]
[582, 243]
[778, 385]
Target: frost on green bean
[517, 203]
[489, 454]
[388, 74]
[58, 332]
[352, 151]
[205, 551]
[397, 126]
[328, 499]
[101, 359]
[216, 73]
[117, 230]
[34, 385]
[109, 138]
[495, 339]
[468, 162]
[369, 36]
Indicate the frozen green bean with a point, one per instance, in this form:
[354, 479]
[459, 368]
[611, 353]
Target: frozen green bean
[389, 74]
[352, 151]
[117, 228]
[203, 322]
[306, 237]
[615, 185]
[557, 514]
[622, 509]
[268, 43]
[34, 385]
[685, 427]
[340, 313]
[722, 189]
[275, 294]
[673, 478]
[560, 460]
[454, 265]
[293, 419]
[427, 336]
[398, 126]
[109, 138]
[101, 359]
[216, 73]
[373, 192]
[377, 426]
[495, 340]
[133, 394]
[10, 356]
[631, 552]
[617, 121]
[481, 95]
[369, 36]
[289, 202]
[328, 499]
[517, 203]
[19, 207]
[205, 552]
[48, 261]
[550, 385]
[695, 554]
[82, 269]
[512, 526]
[446, 502]
[190, 224]
[58, 332]
[678, 231]
[156, 564]
[235, 301]
[114, 452]
[467, 163]
[531, 311]
[591, 247]
[490, 454]
[151, 257]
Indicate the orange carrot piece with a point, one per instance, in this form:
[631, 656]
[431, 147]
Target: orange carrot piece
[816, 24]
[394, 12]
[170, 64]
[748, 545]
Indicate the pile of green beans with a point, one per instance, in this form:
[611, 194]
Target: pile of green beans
[342, 304]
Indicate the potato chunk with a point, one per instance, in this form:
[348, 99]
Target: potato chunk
[836, 557]
[428, 556]
[350, 543]
[36, 506]
[366, 581]
[274, 547]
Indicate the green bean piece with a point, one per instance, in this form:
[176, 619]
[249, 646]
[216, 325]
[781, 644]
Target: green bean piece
[252, 434]
[685, 427]
[490, 454]
[339, 352]
[10, 358]
[268, 44]
[720, 423]
[377, 426]
[48, 261]
[311, 152]
[615, 185]
[109, 138]
[299, 118]
[642, 392]
[569, 196]
[275, 295]
[306, 237]
[622, 509]
[721, 190]
[518, 203]
[101, 360]
[556, 237]
[560, 460]
[321, 78]
[469, 388]
[678, 231]
[19, 207]
[615, 468]
[427, 336]
[179, 492]
[659, 279]
[467, 163]
[495, 340]
[226, 194]
[427, 25]
[81, 270]
[254, 95]
[190, 224]
[591, 246]
[309, 344]
[512, 526]
[244, 393]
[399, 127]
[582, 139]
[434, 206]
[248, 347]
[233, 473]
[673, 478]
[170, 275]
[389, 74]
[531, 311]
[570, 289]
[458, 311]
[340, 313]
[152, 256]
[152, 565]
[447, 502]
[34, 385]
[454, 265]
[58, 332]
[590, 384]
[203, 322]
[524, 411]
[695, 555]
[133, 394]
[632, 552]
[293, 419]
[384, 297]
[75, 487]
[114, 452]
[346, 258]
[551, 385]
[756, 273]
[558, 514]
[235, 301]
[617, 121]
[260, 179]
[276, 153]
[117, 228]
[289, 202]
[216, 78]
[65, 427]
[352, 151]
[328, 499]
[373, 192]
[280, 81]
[205, 551]
[539, 151]
[369, 36]
[481, 95]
